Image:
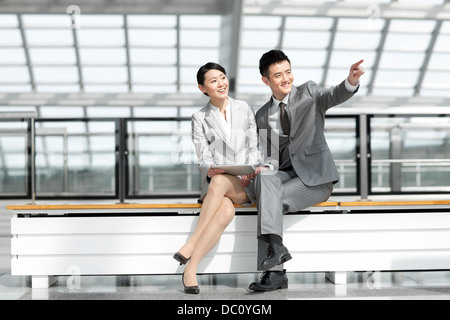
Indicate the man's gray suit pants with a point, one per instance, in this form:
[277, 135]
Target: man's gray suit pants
[279, 192]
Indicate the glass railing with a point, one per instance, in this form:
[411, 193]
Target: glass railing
[14, 158]
[160, 157]
[75, 158]
[130, 158]
[410, 154]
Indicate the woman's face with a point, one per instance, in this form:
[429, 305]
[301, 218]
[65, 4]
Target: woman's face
[216, 84]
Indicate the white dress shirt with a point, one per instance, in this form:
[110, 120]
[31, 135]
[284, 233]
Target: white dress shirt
[225, 123]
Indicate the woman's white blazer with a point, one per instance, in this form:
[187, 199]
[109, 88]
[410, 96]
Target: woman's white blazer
[212, 145]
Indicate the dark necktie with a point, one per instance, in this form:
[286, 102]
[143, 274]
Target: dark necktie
[284, 120]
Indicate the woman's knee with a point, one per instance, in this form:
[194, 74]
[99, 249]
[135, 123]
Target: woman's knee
[226, 214]
[216, 184]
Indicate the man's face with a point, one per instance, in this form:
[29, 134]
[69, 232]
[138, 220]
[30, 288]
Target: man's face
[279, 79]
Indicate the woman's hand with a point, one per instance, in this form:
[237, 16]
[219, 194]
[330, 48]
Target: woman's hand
[259, 169]
[212, 172]
[245, 179]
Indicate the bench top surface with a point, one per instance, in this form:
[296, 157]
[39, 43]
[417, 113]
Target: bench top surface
[197, 205]
[394, 203]
[131, 206]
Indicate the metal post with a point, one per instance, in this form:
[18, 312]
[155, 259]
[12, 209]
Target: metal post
[395, 152]
[363, 158]
[33, 161]
[121, 153]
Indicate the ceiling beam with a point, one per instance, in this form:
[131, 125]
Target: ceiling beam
[27, 53]
[230, 41]
[347, 9]
[379, 51]
[326, 65]
[200, 7]
[427, 58]
[191, 100]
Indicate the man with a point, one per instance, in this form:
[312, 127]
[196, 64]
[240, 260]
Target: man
[300, 170]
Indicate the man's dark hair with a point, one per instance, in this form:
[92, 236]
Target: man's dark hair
[269, 58]
[205, 68]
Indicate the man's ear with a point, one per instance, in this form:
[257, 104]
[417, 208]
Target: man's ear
[265, 80]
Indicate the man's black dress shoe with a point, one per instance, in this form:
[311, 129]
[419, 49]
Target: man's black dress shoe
[276, 255]
[271, 280]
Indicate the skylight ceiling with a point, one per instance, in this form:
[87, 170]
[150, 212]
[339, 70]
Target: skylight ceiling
[117, 56]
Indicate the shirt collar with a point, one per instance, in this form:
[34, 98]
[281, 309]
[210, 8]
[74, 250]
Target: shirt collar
[216, 109]
[285, 100]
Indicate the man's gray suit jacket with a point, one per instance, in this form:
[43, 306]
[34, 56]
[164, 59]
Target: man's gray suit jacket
[308, 150]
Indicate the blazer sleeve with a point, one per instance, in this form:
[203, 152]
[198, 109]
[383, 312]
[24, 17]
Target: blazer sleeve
[201, 144]
[254, 157]
[327, 98]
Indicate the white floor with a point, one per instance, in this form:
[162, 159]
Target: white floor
[368, 286]
[434, 285]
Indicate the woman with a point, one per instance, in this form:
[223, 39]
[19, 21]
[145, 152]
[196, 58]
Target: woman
[223, 132]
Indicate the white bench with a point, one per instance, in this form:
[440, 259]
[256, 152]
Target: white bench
[332, 237]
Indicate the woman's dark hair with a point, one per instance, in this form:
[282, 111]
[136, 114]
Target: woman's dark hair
[204, 69]
[269, 58]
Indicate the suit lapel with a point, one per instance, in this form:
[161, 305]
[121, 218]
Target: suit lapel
[292, 108]
[266, 111]
[236, 118]
[235, 114]
[215, 122]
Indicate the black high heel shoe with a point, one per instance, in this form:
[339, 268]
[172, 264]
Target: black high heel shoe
[180, 258]
[190, 290]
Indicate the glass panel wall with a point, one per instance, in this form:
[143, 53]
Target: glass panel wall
[14, 158]
[79, 158]
[410, 154]
[75, 158]
[161, 158]
[342, 137]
